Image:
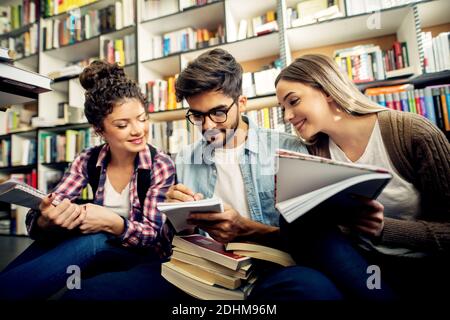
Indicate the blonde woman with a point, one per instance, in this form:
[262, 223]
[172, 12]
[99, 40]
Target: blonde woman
[406, 231]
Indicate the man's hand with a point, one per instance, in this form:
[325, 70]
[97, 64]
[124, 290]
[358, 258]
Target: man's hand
[66, 215]
[100, 219]
[224, 226]
[181, 193]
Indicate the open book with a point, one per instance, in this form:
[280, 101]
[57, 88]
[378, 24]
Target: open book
[304, 181]
[178, 212]
[17, 192]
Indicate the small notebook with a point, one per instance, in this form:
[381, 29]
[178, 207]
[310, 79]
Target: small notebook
[17, 192]
[178, 212]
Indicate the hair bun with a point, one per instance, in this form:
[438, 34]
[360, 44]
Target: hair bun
[98, 70]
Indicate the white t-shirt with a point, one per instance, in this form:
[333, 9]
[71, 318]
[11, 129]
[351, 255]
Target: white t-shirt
[118, 202]
[230, 183]
[401, 200]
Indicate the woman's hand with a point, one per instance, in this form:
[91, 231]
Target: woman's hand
[66, 215]
[100, 219]
[369, 220]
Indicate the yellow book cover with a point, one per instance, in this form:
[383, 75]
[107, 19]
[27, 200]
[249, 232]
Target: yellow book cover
[119, 52]
[270, 16]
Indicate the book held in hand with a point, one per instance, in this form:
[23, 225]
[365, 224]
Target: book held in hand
[304, 181]
[16, 192]
[178, 212]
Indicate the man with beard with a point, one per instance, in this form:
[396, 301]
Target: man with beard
[235, 161]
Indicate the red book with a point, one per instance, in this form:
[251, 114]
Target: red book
[210, 249]
[398, 55]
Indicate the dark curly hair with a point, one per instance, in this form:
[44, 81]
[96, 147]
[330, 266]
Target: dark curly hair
[214, 70]
[106, 86]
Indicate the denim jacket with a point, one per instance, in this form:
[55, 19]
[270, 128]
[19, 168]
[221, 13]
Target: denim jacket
[196, 169]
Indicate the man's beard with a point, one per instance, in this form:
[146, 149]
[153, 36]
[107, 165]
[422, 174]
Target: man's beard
[228, 134]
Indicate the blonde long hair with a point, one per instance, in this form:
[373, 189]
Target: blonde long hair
[321, 72]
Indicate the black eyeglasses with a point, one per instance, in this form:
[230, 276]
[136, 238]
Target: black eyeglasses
[217, 115]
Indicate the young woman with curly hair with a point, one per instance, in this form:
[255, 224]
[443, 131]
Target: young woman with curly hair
[120, 229]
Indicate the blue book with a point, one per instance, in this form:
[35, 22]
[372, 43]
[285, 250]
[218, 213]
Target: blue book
[429, 105]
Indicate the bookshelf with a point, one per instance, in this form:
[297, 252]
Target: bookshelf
[150, 19]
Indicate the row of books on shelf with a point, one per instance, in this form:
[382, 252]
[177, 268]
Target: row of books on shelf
[75, 27]
[54, 7]
[432, 102]
[259, 83]
[17, 118]
[369, 63]
[436, 51]
[63, 147]
[257, 26]
[122, 51]
[172, 136]
[270, 118]
[355, 7]
[209, 270]
[184, 40]
[24, 44]
[161, 92]
[312, 11]
[161, 95]
[16, 16]
[17, 150]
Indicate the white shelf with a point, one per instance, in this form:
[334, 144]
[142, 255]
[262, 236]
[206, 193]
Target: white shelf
[245, 50]
[61, 86]
[211, 16]
[434, 12]
[20, 86]
[257, 103]
[77, 51]
[117, 34]
[30, 63]
[342, 30]
[165, 66]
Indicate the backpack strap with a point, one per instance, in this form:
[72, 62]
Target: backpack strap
[93, 171]
[144, 179]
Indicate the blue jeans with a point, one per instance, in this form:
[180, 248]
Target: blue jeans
[320, 245]
[41, 270]
[296, 283]
[142, 282]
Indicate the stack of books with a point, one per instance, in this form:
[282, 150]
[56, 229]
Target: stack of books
[209, 270]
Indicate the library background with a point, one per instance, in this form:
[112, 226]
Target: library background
[396, 51]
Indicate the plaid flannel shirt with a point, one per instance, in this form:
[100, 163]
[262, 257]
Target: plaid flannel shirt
[143, 228]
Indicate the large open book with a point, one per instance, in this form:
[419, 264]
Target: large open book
[178, 212]
[13, 191]
[304, 181]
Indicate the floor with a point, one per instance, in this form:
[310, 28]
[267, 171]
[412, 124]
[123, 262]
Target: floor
[11, 247]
